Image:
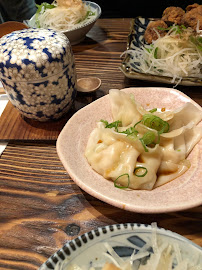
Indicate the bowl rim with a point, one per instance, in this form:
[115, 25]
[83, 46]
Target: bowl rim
[111, 229]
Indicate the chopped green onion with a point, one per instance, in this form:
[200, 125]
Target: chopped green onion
[122, 187]
[155, 53]
[148, 138]
[176, 28]
[42, 8]
[197, 41]
[105, 122]
[115, 124]
[143, 144]
[140, 175]
[137, 123]
[153, 110]
[88, 14]
[155, 122]
[130, 132]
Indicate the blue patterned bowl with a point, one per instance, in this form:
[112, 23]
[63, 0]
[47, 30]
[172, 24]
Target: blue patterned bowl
[87, 250]
[131, 69]
[37, 70]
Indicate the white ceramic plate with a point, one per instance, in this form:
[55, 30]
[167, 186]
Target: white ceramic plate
[87, 250]
[182, 193]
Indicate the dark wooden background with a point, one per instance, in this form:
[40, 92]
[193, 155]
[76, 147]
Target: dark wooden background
[133, 8]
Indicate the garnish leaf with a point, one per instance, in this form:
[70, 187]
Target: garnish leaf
[140, 168]
[130, 132]
[155, 122]
[153, 110]
[42, 8]
[89, 13]
[148, 138]
[119, 186]
[115, 124]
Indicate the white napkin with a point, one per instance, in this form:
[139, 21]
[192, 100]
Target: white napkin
[3, 104]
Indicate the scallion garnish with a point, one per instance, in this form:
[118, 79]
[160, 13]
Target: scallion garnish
[137, 123]
[148, 138]
[153, 110]
[115, 124]
[88, 14]
[155, 122]
[144, 145]
[175, 28]
[156, 52]
[139, 168]
[42, 8]
[130, 132]
[197, 41]
[119, 186]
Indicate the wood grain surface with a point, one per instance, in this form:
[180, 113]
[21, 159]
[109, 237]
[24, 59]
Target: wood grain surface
[40, 206]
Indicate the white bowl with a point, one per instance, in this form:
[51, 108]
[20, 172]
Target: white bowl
[77, 34]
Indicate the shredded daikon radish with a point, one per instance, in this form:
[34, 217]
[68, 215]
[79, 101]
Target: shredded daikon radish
[175, 55]
[64, 15]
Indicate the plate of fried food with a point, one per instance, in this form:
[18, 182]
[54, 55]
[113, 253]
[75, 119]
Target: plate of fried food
[135, 153]
[167, 49]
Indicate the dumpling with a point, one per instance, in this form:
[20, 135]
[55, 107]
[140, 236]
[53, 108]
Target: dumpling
[125, 156]
[123, 108]
[113, 154]
[185, 115]
[169, 170]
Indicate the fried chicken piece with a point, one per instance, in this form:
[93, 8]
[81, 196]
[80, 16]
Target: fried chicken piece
[189, 7]
[192, 17]
[173, 14]
[152, 29]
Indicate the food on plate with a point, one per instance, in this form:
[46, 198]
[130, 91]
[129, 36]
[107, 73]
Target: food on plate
[153, 31]
[172, 45]
[189, 7]
[143, 149]
[158, 253]
[173, 14]
[63, 15]
[193, 17]
[177, 16]
[176, 54]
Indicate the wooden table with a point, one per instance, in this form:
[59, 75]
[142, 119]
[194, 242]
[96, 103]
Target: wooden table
[40, 206]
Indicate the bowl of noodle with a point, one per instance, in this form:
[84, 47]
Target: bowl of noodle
[74, 18]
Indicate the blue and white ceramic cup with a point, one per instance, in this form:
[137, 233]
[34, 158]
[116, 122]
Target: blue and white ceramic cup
[38, 72]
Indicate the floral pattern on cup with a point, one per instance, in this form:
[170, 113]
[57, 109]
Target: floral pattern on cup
[37, 70]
